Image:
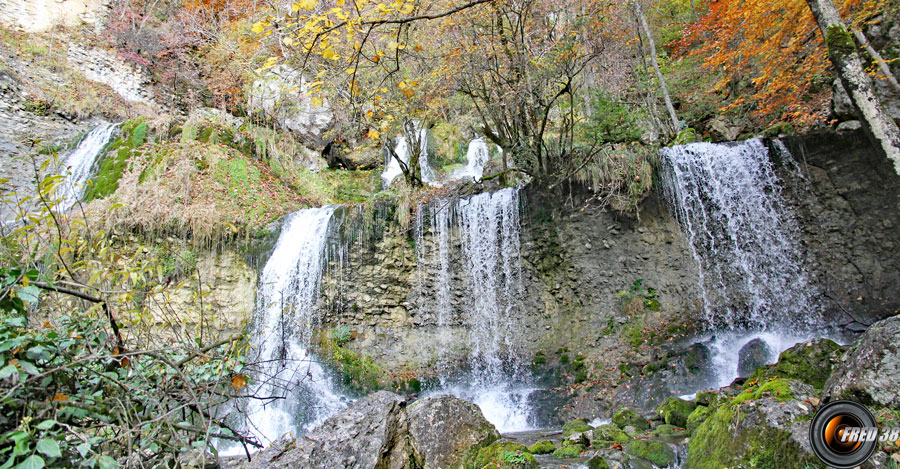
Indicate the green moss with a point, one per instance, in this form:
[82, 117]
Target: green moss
[777, 389]
[654, 451]
[610, 434]
[542, 447]
[668, 430]
[675, 411]
[575, 426]
[839, 41]
[714, 443]
[597, 462]
[697, 417]
[505, 455]
[114, 161]
[809, 362]
[626, 417]
[359, 372]
[568, 452]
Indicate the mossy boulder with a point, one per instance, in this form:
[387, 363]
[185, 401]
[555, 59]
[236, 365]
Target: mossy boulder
[505, 455]
[811, 362]
[697, 417]
[597, 462]
[627, 416]
[675, 411]
[666, 430]
[609, 434]
[760, 427]
[568, 452]
[869, 373]
[445, 431]
[753, 355]
[575, 426]
[542, 447]
[659, 453]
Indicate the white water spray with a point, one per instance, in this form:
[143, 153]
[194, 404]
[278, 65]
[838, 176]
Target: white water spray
[487, 228]
[751, 275]
[80, 163]
[292, 391]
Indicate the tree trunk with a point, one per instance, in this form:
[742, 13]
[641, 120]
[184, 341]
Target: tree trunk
[878, 59]
[639, 12]
[848, 64]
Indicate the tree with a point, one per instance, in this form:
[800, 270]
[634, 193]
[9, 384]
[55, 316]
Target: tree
[642, 20]
[849, 67]
[770, 62]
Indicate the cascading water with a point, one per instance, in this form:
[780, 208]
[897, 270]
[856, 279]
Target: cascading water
[292, 392]
[477, 155]
[392, 167]
[751, 275]
[80, 163]
[487, 229]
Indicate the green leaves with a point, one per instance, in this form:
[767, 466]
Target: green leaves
[32, 462]
[49, 447]
[29, 294]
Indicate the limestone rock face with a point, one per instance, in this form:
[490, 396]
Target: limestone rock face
[100, 65]
[229, 287]
[443, 430]
[870, 371]
[281, 94]
[41, 15]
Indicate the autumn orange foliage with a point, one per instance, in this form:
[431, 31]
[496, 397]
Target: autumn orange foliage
[776, 48]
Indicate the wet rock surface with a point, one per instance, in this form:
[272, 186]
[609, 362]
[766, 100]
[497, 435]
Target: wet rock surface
[752, 356]
[381, 431]
[869, 372]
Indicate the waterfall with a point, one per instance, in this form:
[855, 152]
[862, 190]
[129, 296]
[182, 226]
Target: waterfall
[487, 229]
[477, 155]
[80, 163]
[292, 391]
[392, 167]
[742, 236]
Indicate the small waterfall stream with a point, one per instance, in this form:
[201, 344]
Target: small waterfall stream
[292, 391]
[741, 234]
[486, 227]
[80, 163]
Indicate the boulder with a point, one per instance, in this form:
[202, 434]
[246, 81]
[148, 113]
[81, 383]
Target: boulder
[505, 455]
[870, 371]
[446, 432]
[370, 433]
[658, 453]
[764, 426]
[752, 356]
[724, 128]
[627, 417]
[811, 362]
[281, 94]
[369, 157]
[675, 411]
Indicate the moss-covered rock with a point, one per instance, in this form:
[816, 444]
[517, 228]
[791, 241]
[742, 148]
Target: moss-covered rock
[568, 452]
[811, 362]
[697, 417]
[660, 454]
[112, 164]
[505, 455]
[542, 447]
[575, 426]
[609, 434]
[760, 427]
[675, 411]
[597, 462]
[627, 416]
[667, 430]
